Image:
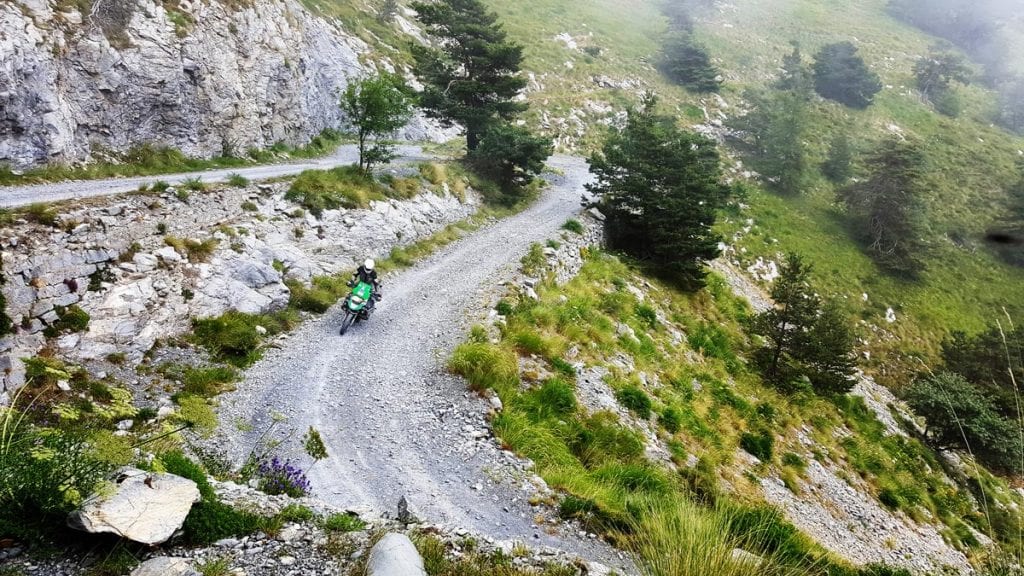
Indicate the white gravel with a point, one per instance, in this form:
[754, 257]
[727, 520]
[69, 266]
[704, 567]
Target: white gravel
[11, 196]
[395, 422]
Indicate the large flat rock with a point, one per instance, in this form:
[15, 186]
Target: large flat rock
[145, 507]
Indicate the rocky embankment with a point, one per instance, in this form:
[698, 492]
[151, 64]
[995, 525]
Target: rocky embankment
[203, 76]
[142, 266]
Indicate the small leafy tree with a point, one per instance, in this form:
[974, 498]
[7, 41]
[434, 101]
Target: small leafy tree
[841, 75]
[472, 77]
[838, 165]
[992, 360]
[376, 106]
[687, 63]
[958, 415]
[888, 207]
[512, 154]
[659, 188]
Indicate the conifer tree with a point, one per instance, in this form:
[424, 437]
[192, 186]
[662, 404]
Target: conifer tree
[841, 75]
[888, 207]
[472, 77]
[659, 188]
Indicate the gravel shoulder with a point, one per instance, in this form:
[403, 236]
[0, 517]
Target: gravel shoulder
[395, 422]
[13, 196]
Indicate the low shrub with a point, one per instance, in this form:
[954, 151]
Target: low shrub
[250, 206]
[504, 308]
[635, 400]
[671, 419]
[69, 320]
[231, 337]
[759, 444]
[210, 521]
[176, 463]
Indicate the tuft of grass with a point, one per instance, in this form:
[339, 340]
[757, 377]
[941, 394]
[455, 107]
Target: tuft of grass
[759, 444]
[208, 381]
[341, 187]
[485, 366]
[534, 262]
[342, 522]
[69, 320]
[438, 560]
[195, 184]
[250, 206]
[434, 173]
[573, 225]
[233, 337]
[237, 180]
[635, 400]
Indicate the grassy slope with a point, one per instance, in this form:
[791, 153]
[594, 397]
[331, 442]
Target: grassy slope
[611, 485]
[971, 161]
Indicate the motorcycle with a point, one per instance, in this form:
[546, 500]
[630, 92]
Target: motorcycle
[357, 305]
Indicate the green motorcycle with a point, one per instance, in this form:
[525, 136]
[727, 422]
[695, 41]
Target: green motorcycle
[357, 305]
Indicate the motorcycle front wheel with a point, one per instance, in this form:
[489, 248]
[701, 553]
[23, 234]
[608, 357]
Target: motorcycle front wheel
[346, 322]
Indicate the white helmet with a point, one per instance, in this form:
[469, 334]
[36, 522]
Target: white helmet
[368, 264]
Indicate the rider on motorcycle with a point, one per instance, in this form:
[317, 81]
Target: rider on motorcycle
[366, 273]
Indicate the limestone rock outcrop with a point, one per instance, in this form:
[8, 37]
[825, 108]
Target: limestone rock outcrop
[203, 76]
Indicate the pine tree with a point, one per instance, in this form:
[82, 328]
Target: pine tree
[838, 165]
[936, 71]
[473, 77]
[841, 75]
[827, 354]
[1007, 234]
[513, 156]
[388, 11]
[796, 74]
[785, 327]
[889, 207]
[685, 62]
[775, 132]
[659, 188]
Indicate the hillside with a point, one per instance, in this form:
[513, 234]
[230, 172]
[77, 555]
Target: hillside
[533, 399]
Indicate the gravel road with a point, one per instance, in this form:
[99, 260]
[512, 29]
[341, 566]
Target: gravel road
[12, 196]
[394, 421]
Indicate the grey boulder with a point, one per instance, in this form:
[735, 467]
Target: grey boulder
[395, 555]
[145, 507]
[165, 566]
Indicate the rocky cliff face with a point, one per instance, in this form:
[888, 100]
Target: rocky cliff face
[78, 78]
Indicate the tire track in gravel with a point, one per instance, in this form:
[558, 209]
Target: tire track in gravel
[394, 421]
